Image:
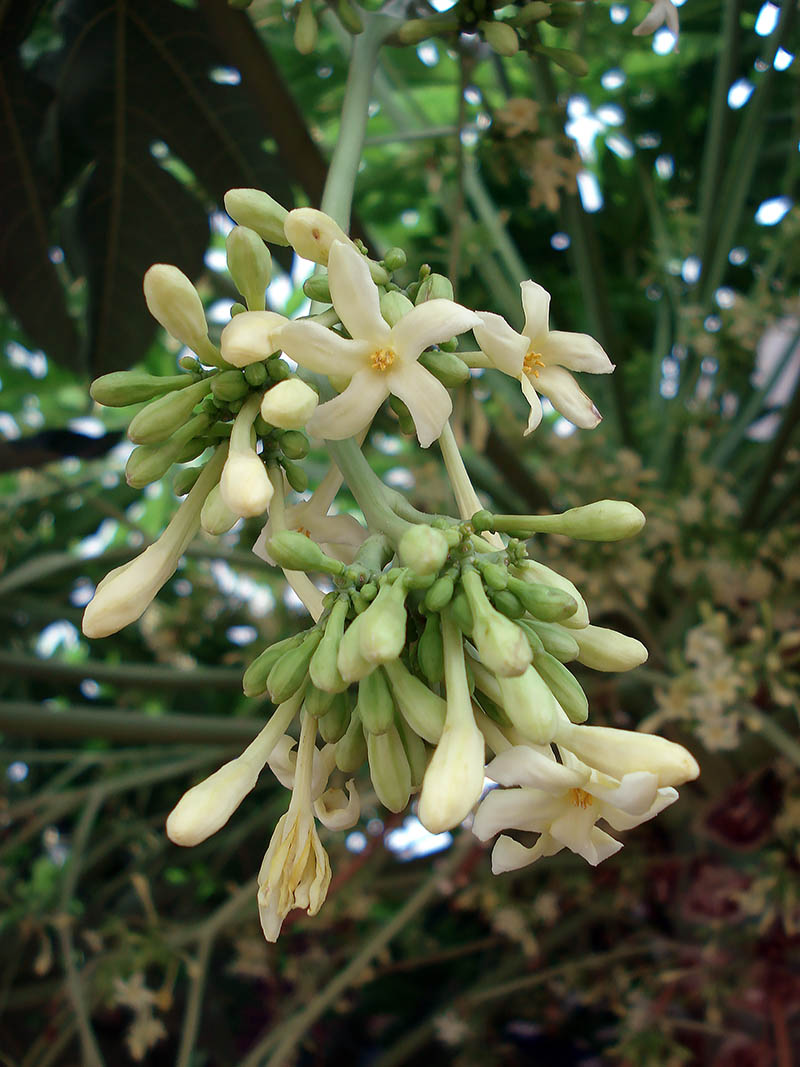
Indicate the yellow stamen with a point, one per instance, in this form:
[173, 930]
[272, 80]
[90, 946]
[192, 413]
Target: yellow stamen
[531, 362]
[579, 798]
[304, 530]
[382, 358]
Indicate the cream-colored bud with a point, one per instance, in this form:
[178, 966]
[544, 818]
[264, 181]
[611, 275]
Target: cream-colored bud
[175, 303]
[289, 404]
[245, 486]
[531, 706]
[311, 233]
[251, 337]
[621, 752]
[258, 211]
[454, 779]
[206, 807]
[607, 650]
[250, 265]
[216, 517]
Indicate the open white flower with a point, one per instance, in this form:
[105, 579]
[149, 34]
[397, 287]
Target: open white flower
[563, 803]
[377, 358]
[542, 359]
[663, 11]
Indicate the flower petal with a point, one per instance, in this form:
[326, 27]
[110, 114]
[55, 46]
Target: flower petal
[533, 766]
[635, 794]
[424, 396]
[566, 396]
[576, 351]
[515, 809]
[323, 351]
[536, 305]
[355, 295]
[576, 830]
[505, 347]
[530, 394]
[510, 855]
[428, 324]
[621, 820]
[352, 410]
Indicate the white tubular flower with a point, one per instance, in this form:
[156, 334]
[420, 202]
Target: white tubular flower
[245, 486]
[563, 803]
[542, 358]
[662, 11]
[251, 337]
[295, 872]
[289, 404]
[379, 359]
[124, 594]
[337, 811]
[619, 752]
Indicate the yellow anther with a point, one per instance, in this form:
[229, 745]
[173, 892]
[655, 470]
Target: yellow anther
[382, 358]
[531, 362]
[579, 798]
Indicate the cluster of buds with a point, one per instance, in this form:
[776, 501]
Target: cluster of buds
[442, 637]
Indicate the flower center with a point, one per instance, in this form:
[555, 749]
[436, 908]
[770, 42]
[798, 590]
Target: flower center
[304, 530]
[382, 358]
[579, 798]
[531, 362]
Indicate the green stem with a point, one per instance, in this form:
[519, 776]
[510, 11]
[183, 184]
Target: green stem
[144, 675]
[368, 489]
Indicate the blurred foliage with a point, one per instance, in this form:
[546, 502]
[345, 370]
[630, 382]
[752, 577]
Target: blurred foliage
[682, 949]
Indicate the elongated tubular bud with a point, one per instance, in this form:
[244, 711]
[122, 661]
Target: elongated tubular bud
[184, 480]
[621, 752]
[416, 752]
[451, 371]
[162, 417]
[175, 304]
[501, 644]
[252, 337]
[311, 233]
[317, 701]
[351, 748]
[254, 682]
[352, 664]
[382, 636]
[607, 650]
[552, 637]
[507, 604]
[245, 484]
[258, 211]
[605, 520]
[124, 387]
[216, 517]
[148, 463]
[568, 61]
[334, 724]
[461, 611]
[544, 601]
[430, 650]
[375, 703]
[297, 552]
[289, 405]
[417, 30]
[564, 686]
[389, 769]
[532, 571]
[322, 669]
[500, 37]
[531, 706]
[423, 710]
[289, 673]
[250, 265]
[305, 30]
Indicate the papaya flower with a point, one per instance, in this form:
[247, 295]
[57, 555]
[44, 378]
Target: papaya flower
[542, 359]
[378, 359]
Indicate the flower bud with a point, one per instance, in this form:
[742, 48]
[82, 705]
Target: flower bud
[500, 37]
[395, 259]
[336, 811]
[440, 593]
[545, 602]
[607, 650]
[434, 287]
[535, 11]
[230, 385]
[552, 637]
[571, 62]
[206, 807]
[454, 779]
[564, 686]
[124, 387]
[175, 303]
[395, 306]
[349, 16]
[149, 463]
[423, 549]
[417, 30]
[451, 371]
[254, 682]
[245, 486]
[621, 752]
[305, 30]
[294, 444]
[351, 748]
[162, 417]
[216, 517]
[295, 475]
[382, 635]
[184, 480]
[375, 703]
[296, 552]
[350, 660]
[423, 710]
[289, 405]
[250, 265]
[317, 701]
[416, 752]
[251, 337]
[389, 769]
[258, 211]
[322, 669]
[311, 233]
[289, 673]
[502, 646]
[317, 287]
[530, 706]
[531, 571]
[255, 374]
[333, 725]
[430, 654]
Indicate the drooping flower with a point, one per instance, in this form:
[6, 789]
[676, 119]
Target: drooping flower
[542, 359]
[662, 11]
[378, 359]
[562, 802]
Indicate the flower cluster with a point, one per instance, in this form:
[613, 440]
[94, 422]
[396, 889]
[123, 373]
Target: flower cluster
[442, 636]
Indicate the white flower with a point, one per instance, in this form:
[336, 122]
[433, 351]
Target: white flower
[542, 358]
[661, 12]
[377, 358]
[335, 810]
[245, 486]
[563, 803]
[251, 337]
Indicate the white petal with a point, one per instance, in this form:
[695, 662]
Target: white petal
[530, 394]
[576, 351]
[428, 324]
[336, 811]
[621, 820]
[534, 766]
[651, 21]
[348, 413]
[566, 396]
[536, 305]
[635, 794]
[424, 396]
[355, 295]
[336, 530]
[515, 809]
[576, 830]
[251, 337]
[323, 351]
[505, 347]
[510, 855]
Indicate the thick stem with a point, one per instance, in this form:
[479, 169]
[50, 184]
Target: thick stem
[466, 498]
[368, 489]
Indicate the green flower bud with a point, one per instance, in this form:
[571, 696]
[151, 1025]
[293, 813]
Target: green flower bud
[430, 653]
[237, 308]
[294, 444]
[607, 650]
[296, 552]
[568, 61]
[278, 369]
[543, 601]
[423, 549]
[562, 15]
[295, 475]
[351, 749]
[451, 371]
[416, 752]
[258, 211]
[462, 612]
[395, 306]
[395, 259]
[316, 287]
[175, 304]
[162, 417]
[383, 632]
[254, 682]
[216, 517]
[434, 287]
[531, 571]
[336, 721]
[148, 463]
[389, 769]
[553, 638]
[564, 686]
[255, 374]
[184, 480]
[494, 575]
[188, 363]
[349, 17]
[494, 711]
[322, 669]
[423, 710]
[500, 37]
[482, 521]
[230, 385]
[306, 29]
[250, 265]
[290, 671]
[530, 706]
[501, 644]
[317, 701]
[289, 405]
[507, 604]
[194, 448]
[368, 592]
[440, 593]
[352, 664]
[535, 11]
[375, 703]
[417, 30]
[605, 520]
[124, 387]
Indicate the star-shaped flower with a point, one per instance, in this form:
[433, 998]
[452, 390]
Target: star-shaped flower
[542, 358]
[378, 359]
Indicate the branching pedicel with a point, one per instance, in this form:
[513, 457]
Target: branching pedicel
[442, 637]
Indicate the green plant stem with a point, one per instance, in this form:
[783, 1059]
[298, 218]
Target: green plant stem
[144, 675]
[368, 489]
